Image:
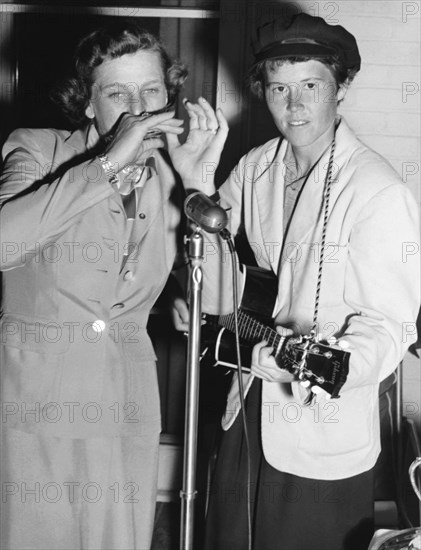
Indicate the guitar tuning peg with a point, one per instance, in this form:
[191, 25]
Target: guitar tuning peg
[343, 344]
[332, 341]
[317, 390]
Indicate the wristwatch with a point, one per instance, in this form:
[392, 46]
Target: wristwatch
[109, 170]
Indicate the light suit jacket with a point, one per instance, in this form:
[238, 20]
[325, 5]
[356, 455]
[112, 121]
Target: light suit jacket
[76, 357]
[369, 294]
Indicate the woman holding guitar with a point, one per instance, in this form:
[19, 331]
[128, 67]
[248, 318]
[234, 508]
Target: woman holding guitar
[336, 217]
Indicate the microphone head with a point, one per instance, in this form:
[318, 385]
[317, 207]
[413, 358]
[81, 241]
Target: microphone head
[206, 213]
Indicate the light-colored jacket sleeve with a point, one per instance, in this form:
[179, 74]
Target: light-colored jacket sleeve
[382, 284]
[217, 264]
[40, 198]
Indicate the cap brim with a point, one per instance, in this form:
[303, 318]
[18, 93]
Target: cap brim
[295, 48]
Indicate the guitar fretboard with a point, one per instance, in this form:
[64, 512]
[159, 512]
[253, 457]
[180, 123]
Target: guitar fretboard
[251, 329]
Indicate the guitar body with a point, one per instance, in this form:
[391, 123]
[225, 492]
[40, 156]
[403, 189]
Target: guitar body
[260, 293]
[258, 300]
[318, 363]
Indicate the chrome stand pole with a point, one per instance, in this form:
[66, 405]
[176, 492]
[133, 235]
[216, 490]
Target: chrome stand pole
[188, 492]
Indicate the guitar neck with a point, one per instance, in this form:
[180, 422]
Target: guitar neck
[252, 330]
[309, 360]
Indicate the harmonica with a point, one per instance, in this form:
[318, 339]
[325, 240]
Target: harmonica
[153, 132]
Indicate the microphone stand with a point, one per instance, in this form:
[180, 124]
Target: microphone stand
[188, 492]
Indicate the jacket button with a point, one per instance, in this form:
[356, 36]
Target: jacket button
[98, 325]
[119, 305]
[142, 216]
[128, 276]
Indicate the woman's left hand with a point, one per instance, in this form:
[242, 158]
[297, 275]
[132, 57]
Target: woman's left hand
[196, 160]
[264, 365]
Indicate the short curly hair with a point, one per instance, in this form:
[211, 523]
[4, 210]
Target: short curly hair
[110, 42]
[256, 77]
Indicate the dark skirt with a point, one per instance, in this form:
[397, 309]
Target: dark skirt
[287, 512]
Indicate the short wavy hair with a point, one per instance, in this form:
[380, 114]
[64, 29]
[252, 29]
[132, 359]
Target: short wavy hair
[109, 42]
[256, 77]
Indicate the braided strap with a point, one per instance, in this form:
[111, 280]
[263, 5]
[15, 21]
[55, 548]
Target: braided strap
[326, 194]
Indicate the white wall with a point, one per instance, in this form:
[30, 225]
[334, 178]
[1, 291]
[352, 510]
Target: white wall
[383, 104]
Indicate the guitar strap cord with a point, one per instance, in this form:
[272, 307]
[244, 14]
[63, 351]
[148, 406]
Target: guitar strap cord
[326, 199]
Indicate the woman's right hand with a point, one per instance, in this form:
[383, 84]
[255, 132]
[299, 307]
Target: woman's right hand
[198, 157]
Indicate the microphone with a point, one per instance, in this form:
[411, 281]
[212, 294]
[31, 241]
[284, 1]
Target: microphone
[206, 213]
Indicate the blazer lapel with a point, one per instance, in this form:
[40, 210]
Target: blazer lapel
[271, 204]
[154, 194]
[307, 220]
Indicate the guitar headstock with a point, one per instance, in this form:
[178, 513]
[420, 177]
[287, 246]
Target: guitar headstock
[323, 366]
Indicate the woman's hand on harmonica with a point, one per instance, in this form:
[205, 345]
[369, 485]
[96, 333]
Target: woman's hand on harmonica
[128, 144]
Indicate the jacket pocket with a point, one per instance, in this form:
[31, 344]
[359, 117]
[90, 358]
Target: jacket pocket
[343, 426]
[34, 334]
